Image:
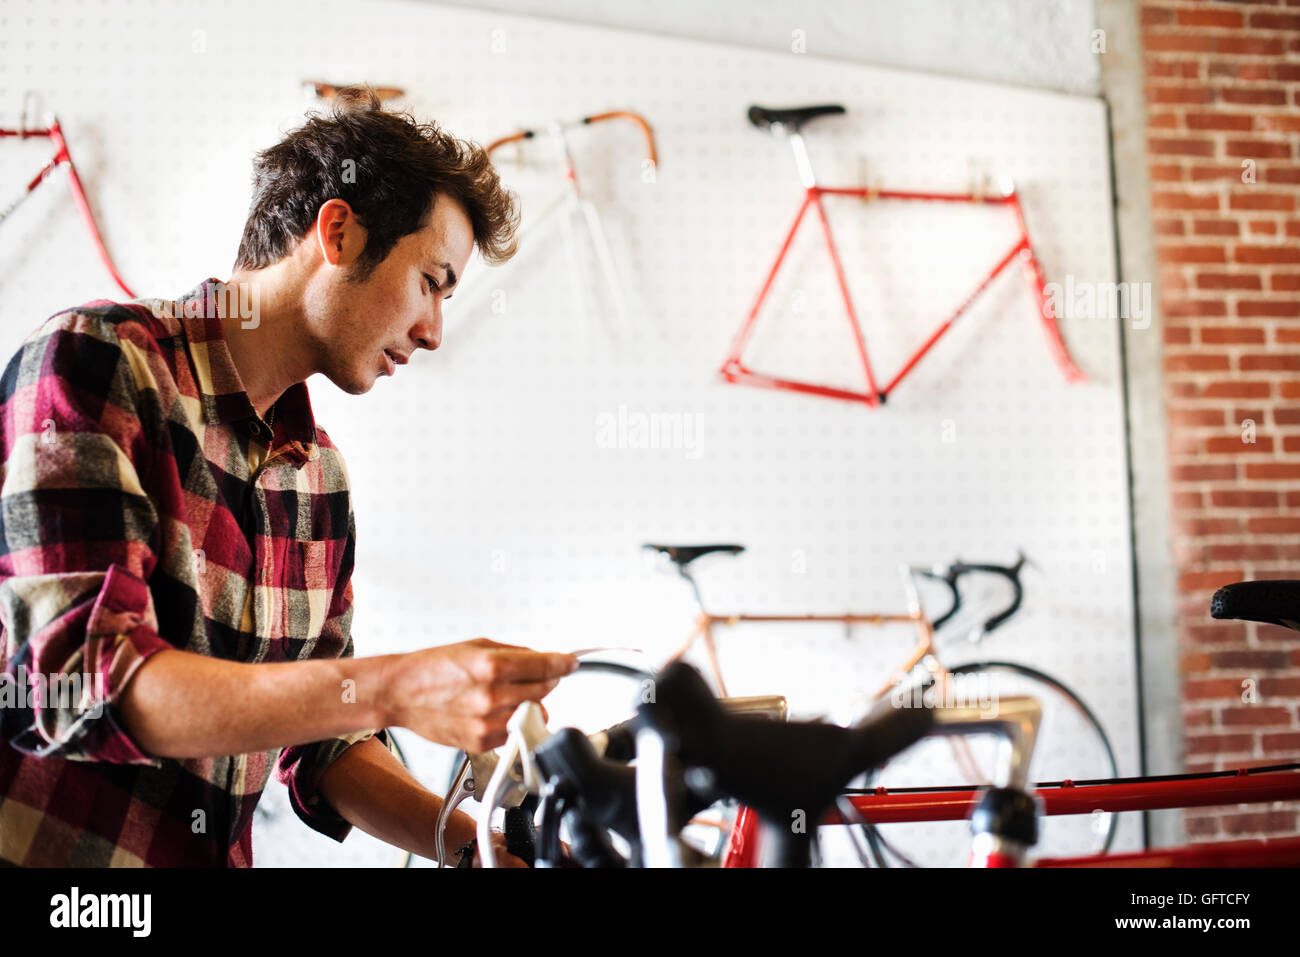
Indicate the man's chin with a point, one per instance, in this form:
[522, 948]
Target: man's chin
[353, 386]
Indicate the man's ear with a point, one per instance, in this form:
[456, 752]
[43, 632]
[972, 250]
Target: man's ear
[338, 234]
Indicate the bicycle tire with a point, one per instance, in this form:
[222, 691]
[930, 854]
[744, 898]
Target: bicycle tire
[1093, 757]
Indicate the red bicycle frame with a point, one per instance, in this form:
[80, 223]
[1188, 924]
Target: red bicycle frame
[54, 132]
[734, 369]
[1139, 794]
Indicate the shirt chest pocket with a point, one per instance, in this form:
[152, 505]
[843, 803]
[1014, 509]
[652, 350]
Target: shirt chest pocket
[310, 587]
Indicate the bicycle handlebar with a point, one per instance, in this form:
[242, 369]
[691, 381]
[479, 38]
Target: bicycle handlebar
[951, 575]
[527, 134]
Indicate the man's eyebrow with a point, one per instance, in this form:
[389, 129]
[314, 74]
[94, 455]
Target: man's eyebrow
[451, 274]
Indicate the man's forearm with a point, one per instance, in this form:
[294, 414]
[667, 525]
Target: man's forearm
[185, 705]
[374, 791]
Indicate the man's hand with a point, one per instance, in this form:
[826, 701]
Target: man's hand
[503, 857]
[462, 695]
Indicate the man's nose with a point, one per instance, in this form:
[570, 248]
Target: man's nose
[428, 334]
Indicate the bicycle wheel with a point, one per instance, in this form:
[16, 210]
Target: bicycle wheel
[280, 839]
[1071, 745]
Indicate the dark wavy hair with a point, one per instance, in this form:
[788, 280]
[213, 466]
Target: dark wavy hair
[387, 167]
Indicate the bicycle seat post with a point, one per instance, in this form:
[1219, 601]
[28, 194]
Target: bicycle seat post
[800, 150]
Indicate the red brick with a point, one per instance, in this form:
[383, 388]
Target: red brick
[1216, 227]
[1175, 308]
[1165, 121]
[1250, 199]
[1200, 173]
[1237, 389]
[1179, 146]
[1201, 526]
[1243, 659]
[1274, 21]
[1234, 445]
[1258, 149]
[1197, 416]
[1255, 716]
[1253, 96]
[1274, 173]
[1273, 525]
[1250, 46]
[1187, 69]
[1284, 741]
[1219, 743]
[1267, 362]
[1201, 17]
[1284, 282]
[1228, 280]
[1279, 123]
[1169, 253]
[1201, 826]
[1214, 120]
[1207, 581]
[1266, 254]
[1287, 309]
[1177, 199]
[1262, 227]
[1176, 41]
[1205, 472]
[1280, 687]
[1177, 335]
[1286, 336]
[1272, 471]
[1258, 822]
[1240, 552]
[1200, 689]
[1287, 416]
[1228, 335]
[1196, 362]
[1166, 173]
[1187, 500]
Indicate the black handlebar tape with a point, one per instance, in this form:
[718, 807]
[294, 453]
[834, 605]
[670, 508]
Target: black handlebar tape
[1010, 572]
[777, 768]
[521, 840]
[605, 791]
[621, 744]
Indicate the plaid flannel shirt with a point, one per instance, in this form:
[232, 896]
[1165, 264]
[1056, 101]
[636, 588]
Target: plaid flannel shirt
[142, 508]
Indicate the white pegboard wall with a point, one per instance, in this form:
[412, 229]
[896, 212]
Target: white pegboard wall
[485, 503]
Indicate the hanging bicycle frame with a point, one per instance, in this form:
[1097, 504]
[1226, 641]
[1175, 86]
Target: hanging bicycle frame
[54, 133]
[734, 369]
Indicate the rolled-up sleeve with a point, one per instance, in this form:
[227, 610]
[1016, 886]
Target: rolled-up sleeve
[301, 767]
[78, 532]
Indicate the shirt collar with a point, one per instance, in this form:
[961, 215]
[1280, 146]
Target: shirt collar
[221, 391]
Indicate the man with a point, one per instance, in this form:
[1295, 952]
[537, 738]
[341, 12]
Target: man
[178, 534]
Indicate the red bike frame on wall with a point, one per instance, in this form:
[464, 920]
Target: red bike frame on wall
[54, 133]
[1240, 786]
[787, 123]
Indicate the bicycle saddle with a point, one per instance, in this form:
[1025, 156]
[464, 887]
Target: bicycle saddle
[1272, 602]
[683, 555]
[793, 118]
[775, 767]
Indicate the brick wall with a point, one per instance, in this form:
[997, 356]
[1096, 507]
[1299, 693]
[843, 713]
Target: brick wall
[1223, 111]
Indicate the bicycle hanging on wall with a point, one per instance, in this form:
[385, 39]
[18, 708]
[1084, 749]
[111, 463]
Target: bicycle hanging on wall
[788, 123]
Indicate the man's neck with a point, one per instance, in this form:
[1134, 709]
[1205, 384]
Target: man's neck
[270, 349]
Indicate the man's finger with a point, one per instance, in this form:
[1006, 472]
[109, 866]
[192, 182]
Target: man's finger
[526, 667]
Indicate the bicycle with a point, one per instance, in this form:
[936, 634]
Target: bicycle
[788, 123]
[567, 201]
[1077, 745]
[54, 133]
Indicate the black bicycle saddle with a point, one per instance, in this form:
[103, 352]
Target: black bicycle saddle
[683, 555]
[791, 119]
[1272, 602]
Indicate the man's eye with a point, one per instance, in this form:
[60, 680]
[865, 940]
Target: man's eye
[433, 285]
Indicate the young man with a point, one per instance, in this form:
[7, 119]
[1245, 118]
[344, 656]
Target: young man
[178, 535]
